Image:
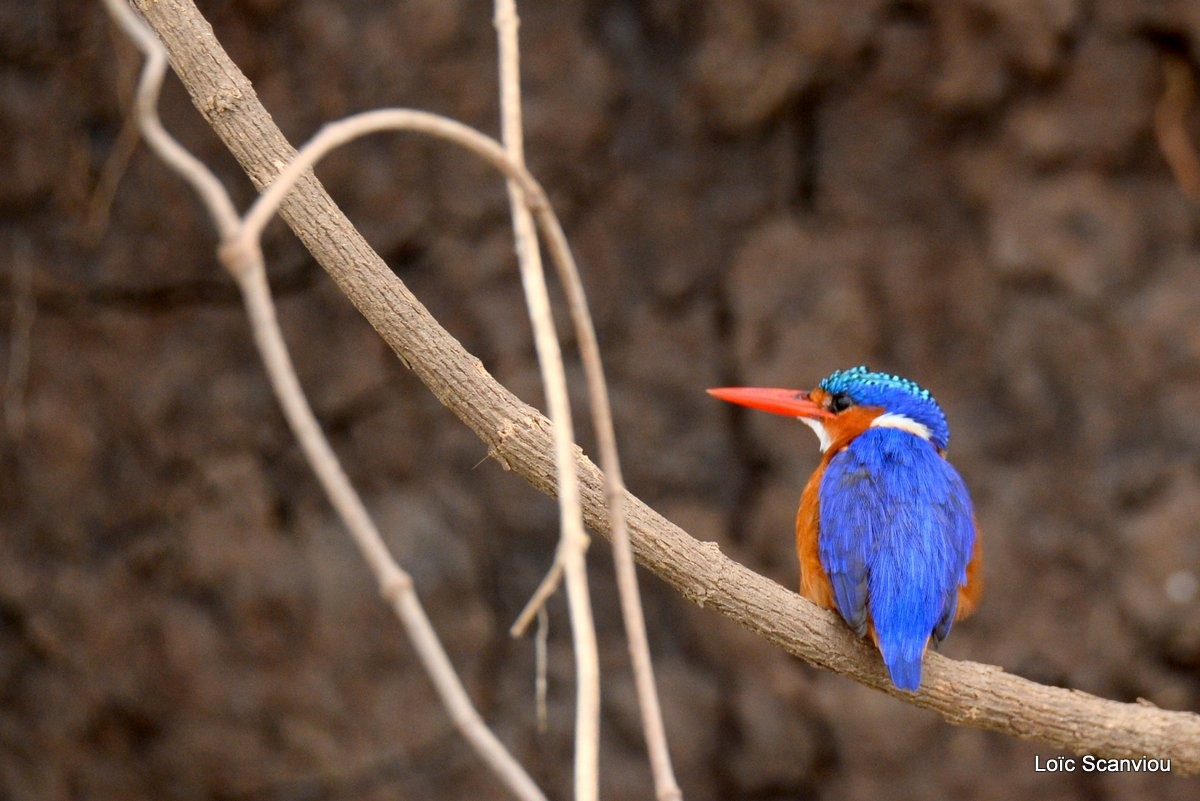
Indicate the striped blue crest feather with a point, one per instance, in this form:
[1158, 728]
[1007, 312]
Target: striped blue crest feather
[893, 394]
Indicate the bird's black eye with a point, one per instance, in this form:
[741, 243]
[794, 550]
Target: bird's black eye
[840, 402]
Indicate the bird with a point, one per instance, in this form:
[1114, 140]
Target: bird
[886, 533]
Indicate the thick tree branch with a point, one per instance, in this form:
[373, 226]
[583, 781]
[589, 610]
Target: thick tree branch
[519, 437]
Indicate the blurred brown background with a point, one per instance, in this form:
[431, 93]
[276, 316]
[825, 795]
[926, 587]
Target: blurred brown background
[971, 195]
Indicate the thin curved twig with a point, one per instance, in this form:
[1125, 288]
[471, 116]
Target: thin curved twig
[963, 693]
[573, 541]
[333, 135]
[190, 168]
[666, 788]
[395, 584]
[241, 255]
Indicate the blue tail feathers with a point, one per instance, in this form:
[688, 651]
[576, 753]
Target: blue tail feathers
[903, 661]
[910, 602]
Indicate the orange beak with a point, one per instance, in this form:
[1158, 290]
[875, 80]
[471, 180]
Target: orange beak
[789, 402]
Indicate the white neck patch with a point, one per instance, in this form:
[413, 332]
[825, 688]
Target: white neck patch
[819, 429]
[893, 420]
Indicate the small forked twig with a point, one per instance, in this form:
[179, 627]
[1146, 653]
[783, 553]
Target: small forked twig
[537, 601]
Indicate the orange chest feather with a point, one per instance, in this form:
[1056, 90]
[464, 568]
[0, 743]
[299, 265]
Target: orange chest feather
[814, 582]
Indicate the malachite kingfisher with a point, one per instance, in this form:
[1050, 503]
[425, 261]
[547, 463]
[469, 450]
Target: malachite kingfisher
[886, 533]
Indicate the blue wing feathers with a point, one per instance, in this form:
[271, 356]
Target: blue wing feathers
[896, 533]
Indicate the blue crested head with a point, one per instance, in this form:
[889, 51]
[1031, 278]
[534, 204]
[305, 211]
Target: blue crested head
[893, 394]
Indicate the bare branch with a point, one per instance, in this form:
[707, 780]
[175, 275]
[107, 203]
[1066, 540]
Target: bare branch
[963, 693]
[665, 786]
[395, 584]
[241, 255]
[573, 541]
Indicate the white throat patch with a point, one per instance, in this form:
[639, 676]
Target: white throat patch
[892, 420]
[819, 429]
